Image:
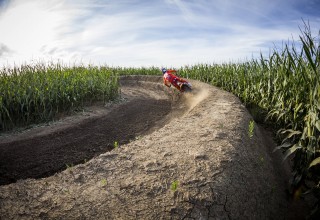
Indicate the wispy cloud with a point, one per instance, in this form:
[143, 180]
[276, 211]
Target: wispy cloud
[144, 33]
[4, 50]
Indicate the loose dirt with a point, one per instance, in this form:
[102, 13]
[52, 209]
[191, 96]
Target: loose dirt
[179, 157]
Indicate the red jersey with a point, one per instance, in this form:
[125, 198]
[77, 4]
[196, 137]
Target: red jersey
[169, 78]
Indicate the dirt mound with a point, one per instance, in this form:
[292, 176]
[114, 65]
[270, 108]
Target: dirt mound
[180, 157]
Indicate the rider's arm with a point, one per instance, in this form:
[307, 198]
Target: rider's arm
[166, 82]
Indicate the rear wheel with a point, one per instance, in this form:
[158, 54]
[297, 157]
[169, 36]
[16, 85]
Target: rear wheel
[186, 88]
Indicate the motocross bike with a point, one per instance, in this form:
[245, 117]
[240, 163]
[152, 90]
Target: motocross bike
[183, 85]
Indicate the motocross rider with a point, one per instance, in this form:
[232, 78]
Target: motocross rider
[169, 78]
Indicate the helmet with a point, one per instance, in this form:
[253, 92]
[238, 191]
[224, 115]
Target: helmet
[164, 70]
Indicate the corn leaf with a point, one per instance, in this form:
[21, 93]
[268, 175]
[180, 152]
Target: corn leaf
[291, 150]
[317, 124]
[282, 146]
[315, 162]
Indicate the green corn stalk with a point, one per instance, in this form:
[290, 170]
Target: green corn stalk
[33, 94]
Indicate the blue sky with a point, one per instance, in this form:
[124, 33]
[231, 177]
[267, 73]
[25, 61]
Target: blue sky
[136, 33]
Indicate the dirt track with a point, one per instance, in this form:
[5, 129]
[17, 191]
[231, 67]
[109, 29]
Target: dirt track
[199, 141]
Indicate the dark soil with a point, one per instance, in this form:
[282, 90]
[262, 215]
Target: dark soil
[42, 156]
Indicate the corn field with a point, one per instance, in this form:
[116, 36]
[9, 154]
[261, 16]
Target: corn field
[33, 94]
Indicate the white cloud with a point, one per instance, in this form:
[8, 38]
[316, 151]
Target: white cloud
[140, 33]
[33, 28]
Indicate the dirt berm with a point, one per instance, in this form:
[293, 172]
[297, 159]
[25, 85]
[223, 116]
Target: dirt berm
[192, 159]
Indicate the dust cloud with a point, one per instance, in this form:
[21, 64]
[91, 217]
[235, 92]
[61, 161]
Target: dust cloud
[197, 96]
